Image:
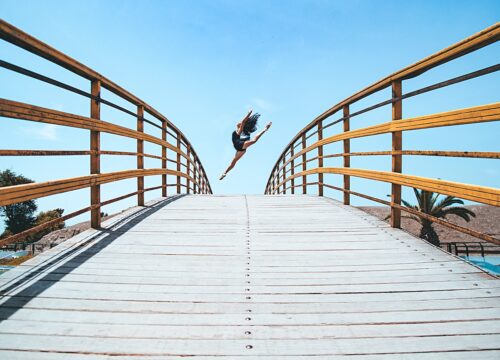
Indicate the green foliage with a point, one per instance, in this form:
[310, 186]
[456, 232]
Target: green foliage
[21, 216]
[45, 216]
[427, 202]
[17, 217]
[5, 234]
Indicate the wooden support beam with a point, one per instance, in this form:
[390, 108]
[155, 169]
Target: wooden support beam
[140, 158]
[481, 194]
[178, 162]
[347, 159]
[95, 158]
[320, 158]
[13, 194]
[164, 158]
[397, 160]
[292, 170]
[195, 175]
[304, 164]
[203, 186]
[284, 175]
[188, 168]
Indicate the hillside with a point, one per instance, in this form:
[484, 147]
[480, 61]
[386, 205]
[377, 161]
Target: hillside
[487, 220]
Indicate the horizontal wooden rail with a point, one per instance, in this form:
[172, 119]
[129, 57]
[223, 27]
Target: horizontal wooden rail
[14, 194]
[480, 194]
[473, 115]
[17, 110]
[467, 154]
[439, 85]
[298, 154]
[73, 152]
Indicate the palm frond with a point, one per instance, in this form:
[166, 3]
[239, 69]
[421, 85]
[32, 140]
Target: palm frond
[412, 217]
[462, 212]
[448, 201]
[418, 195]
[407, 204]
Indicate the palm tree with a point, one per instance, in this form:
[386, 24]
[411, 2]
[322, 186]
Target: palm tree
[428, 204]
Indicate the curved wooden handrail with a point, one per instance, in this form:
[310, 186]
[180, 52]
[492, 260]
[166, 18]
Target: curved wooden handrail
[186, 163]
[292, 163]
[470, 44]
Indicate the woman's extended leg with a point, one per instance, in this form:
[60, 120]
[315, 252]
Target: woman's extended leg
[237, 156]
[249, 143]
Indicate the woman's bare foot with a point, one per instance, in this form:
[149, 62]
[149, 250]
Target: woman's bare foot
[222, 176]
[268, 126]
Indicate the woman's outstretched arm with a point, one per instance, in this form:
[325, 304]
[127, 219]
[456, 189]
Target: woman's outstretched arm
[241, 124]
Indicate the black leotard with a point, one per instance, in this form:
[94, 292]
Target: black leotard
[239, 140]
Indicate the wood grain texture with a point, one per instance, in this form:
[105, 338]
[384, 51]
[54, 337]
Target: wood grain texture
[13, 194]
[320, 158]
[164, 158]
[347, 149]
[253, 277]
[473, 115]
[95, 157]
[17, 110]
[140, 158]
[481, 194]
[397, 145]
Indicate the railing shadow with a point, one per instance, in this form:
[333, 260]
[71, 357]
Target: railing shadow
[19, 300]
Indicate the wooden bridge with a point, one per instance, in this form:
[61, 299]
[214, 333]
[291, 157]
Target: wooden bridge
[278, 276]
[252, 277]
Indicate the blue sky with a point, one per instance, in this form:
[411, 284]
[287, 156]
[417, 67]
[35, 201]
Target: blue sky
[205, 63]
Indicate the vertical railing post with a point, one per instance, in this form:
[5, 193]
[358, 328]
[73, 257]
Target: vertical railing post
[292, 168]
[320, 158]
[188, 168]
[276, 182]
[195, 175]
[140, 155]
[200, 179]
[397, 145]
[203, 185]
[347, 158]
[273, 188]
[178, 161]
[284, 174]
[304, 165]
[164, 159]
[95, 156]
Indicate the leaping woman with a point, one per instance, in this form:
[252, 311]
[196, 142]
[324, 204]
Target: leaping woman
[241, 138]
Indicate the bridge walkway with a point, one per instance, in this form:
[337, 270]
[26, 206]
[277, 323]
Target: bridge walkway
[248, 277]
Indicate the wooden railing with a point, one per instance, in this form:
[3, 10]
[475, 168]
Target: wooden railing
[185, 167]
[295, 155]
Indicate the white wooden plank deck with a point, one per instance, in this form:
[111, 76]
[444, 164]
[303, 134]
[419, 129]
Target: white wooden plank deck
[249, 277]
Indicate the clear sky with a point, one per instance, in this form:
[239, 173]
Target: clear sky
[205, 63]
